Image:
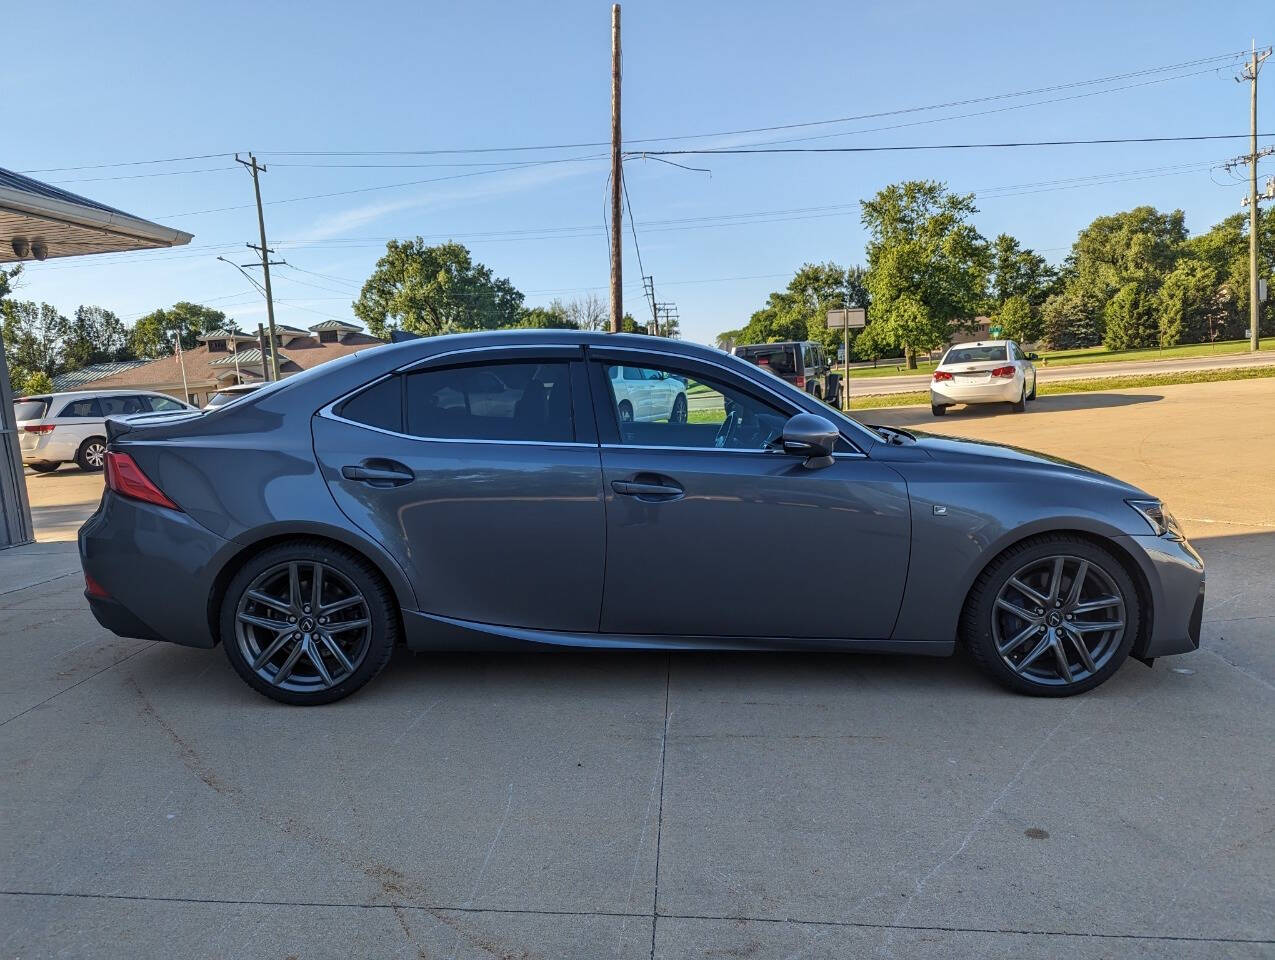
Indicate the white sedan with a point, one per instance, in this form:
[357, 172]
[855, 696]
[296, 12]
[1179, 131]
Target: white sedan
[644, 395]
[990, 371]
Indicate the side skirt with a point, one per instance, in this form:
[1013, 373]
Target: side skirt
[430, 632]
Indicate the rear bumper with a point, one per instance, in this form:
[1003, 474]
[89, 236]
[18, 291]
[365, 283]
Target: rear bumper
[46, 448]
[157, 568]
[952, 391]
[1174, 573]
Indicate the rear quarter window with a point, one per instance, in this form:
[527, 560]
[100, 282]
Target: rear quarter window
[380, 405]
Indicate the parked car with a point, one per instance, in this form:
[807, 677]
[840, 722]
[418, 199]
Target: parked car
[990, 371]
[399, 495]
[230, 394]
[58, 428]
[802, 363]
[648, 395]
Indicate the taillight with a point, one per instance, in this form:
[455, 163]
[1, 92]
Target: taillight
[39, 428]
[95, 589]
[1003, 372]
[800, 381]
[125, 477]
[942, 375]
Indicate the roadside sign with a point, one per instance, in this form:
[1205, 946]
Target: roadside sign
[995, 332]
[854, 318]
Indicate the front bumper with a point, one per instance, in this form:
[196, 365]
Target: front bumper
[1174, 574]
[157, 568]
[945, 392]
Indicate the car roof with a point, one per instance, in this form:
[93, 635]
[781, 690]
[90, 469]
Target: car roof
[243, 387]
[103, 393]
[981, 343]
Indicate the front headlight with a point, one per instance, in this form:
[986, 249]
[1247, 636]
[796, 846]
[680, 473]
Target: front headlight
[1161, 521]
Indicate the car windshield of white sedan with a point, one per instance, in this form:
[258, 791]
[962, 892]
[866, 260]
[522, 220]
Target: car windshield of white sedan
[974, 354]
[665, 408]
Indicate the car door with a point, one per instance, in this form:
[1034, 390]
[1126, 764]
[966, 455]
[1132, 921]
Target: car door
[710, 532]
[480, 473]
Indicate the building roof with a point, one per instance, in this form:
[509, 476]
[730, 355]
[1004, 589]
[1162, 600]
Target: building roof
[336, 325]
[72, 379]
[38, 216]
[225, 335]
[204, 368]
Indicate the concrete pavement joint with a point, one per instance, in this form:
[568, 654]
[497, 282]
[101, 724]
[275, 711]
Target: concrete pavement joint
[28, 586]
[722, 918]
[659, 823]
[78, 682]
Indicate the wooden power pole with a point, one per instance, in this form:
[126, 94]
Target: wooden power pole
[617, 178]
[1254, 305]
[251, 164]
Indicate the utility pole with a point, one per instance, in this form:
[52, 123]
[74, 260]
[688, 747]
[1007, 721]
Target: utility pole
[1254, 306]
[251, 164]
[648, 287]
[617, 181]
[261, 345]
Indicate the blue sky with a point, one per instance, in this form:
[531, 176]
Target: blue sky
[114, 83]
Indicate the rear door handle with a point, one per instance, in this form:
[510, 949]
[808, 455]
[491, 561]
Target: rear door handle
[390, 475]
[653, 491]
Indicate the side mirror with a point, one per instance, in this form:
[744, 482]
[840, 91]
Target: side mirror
[1033, 356]
[811, 436]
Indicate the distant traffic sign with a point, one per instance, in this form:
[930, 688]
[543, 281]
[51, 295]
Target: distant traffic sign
[853, 318]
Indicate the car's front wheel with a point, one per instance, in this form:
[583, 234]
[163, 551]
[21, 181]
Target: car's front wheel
[1052, 616]
[308, 623]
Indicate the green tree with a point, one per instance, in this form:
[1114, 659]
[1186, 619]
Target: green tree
[1130, 319]
[1070, 321]
[95, 335]
[800, 311]
[7, 278]
[1139, 246]
[1018, 272]
[552, 317]
[927, 264]
[1019, 320]
[37, 382]
[33, 335]
[1188, 303]
[1225, 248]
[152, 335]
[432, 290]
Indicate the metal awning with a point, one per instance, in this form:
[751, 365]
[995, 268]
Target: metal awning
[39, 222]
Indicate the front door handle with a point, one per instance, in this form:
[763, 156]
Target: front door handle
[386, 474]
[647, 491]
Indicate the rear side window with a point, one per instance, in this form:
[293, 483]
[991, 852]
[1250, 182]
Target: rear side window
[118, 405]
[380, 405]
[31, 409]
[88, 407]
[493, 401]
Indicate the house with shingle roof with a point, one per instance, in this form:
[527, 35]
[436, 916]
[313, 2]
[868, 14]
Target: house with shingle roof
[227, 357]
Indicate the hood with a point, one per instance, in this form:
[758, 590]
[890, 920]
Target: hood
[957, 448]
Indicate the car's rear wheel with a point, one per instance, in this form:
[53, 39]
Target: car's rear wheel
[1053, 616]
[44, 467]
[679, 410]
[92, 454]
[1021, 403]
[625, 410]
[308, 623]
[938, 409]
[1032, 395]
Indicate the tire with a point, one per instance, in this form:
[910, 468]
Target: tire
[1032, 395]
[1020, 405]
[1023, 653]
[44, 467]
[625, 411]
[91, 456]
[937, 410]
[348, 583]
[678, 414]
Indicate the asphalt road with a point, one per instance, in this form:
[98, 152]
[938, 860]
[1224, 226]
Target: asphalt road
[646, 805]
[904, 383]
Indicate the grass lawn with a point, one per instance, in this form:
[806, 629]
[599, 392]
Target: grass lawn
[1068, 358]
[922, 397]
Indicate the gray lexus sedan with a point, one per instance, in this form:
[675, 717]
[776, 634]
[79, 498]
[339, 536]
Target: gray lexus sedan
[482, 492]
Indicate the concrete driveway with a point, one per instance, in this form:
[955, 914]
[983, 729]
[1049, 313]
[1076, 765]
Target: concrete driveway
[646, 805]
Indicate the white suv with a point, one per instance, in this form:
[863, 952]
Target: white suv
[57, 428]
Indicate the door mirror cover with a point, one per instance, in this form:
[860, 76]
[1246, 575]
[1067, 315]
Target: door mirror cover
[1033, 356]
[811, 436]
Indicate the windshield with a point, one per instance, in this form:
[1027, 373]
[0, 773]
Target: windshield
[777, 357]
[32, 408]
[227, 396]
[974, 354]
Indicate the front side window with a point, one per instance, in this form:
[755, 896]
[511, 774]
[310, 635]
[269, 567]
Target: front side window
[492, 401]
[668, 408]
